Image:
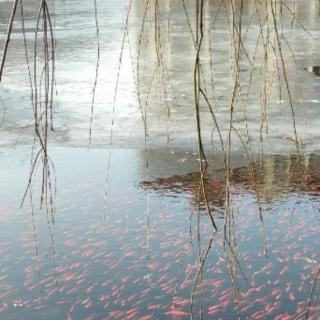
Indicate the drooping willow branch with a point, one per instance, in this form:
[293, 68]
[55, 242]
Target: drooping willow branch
[43, 89]
[6, 44]
[197, 98]
[97, 69]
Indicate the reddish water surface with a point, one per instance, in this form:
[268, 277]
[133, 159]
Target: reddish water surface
[138, 259]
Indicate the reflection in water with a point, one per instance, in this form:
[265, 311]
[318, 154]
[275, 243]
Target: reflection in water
[141, 263]
[275, 177]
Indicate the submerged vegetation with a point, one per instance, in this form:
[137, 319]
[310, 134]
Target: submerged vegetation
[236, 62]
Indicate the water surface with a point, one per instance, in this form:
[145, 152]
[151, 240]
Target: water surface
[126, 236]
[137, 259]
[168, 87]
